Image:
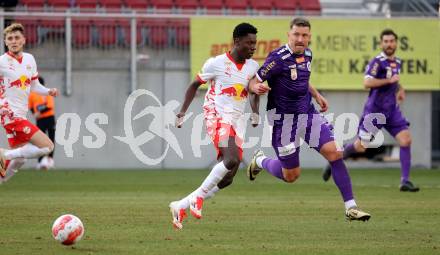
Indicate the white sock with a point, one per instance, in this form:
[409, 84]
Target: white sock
[212, 192]
[27, 151]
[349, 204]
[215, 176]
[15, 164]
[184, 202]
[259, 161]
[209, 185]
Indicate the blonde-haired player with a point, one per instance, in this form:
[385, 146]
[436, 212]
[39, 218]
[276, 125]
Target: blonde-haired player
[18, 77]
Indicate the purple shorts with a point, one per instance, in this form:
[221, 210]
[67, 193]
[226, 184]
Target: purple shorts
[394, 122]
[289, 134]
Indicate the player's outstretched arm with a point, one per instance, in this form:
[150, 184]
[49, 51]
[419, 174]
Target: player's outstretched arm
[189, 96]
[370, 82]
[40, 89]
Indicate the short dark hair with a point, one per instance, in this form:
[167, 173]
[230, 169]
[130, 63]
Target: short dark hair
[300, 22]
[41, 80]
[243, 29]
[388, 32]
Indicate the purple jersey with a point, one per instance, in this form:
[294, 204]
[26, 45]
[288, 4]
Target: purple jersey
[382, 99]
[288, 76]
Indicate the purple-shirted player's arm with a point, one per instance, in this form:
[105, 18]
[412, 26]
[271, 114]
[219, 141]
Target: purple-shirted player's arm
[189, 96]
[318, 98]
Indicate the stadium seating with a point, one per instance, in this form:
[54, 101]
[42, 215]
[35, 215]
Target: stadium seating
[137, 4]
[212, 4]
[187, 4]
[59, 4]
[86, 4]
[30, 31]
[158, 34]
[81, 33]
[33, 3]
[178, 32]
[285, 5]
[162, 4]
[124, 33]
[310, 5]
[236, 5]
[111, 4]
[106, 32]
[261, 7]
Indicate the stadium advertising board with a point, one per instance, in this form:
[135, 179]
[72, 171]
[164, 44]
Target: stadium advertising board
[341, 48]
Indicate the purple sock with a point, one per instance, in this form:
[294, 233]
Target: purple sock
[405, 163]
[273, 166]
[348, 150]
[342, 179]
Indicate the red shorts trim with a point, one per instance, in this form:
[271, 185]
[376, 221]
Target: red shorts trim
[220, 133]
[20, 132]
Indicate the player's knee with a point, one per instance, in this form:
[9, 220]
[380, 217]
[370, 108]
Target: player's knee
[405, 142]
[292, 175]
[334, 155]
[231, 163]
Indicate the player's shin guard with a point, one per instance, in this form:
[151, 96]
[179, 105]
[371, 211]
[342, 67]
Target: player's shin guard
[273, 166]
[342, 179]
[405, 163]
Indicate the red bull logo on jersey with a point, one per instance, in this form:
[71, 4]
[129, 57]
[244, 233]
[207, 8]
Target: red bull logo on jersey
[22, 83]
[236, 91]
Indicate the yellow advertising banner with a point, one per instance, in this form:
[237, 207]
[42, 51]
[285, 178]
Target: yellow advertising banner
[341, 47]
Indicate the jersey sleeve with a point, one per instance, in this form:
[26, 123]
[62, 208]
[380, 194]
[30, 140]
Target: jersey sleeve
[34, 69]
[270, 68]
[372, 69]
[208, 71]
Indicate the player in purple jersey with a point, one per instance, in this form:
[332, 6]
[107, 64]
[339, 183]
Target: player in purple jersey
[382, 78]
[287, 71]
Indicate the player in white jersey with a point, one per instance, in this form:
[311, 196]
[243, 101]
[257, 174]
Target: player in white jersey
[18, 76]
[228, 76]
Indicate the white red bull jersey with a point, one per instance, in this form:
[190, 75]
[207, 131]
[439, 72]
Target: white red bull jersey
[227, 94]
[16, 76]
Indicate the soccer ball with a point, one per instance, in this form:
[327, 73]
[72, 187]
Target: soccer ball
[67, 229]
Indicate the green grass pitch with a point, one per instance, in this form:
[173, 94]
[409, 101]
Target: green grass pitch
[126, 212]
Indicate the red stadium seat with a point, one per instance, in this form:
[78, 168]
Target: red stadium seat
[260, 5]
[187, 4]
[60, 5]
[179, 29]
[137, 4]
[86, 4]
[106, 32]
[212, 4]
[30, 31]
[285, 5]
[52, 29]
[162, 4]
[125, 26]
[111, 4]
[236, 4]
[156, 32]
[81, 33]
[33, 3]
[310, 5]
